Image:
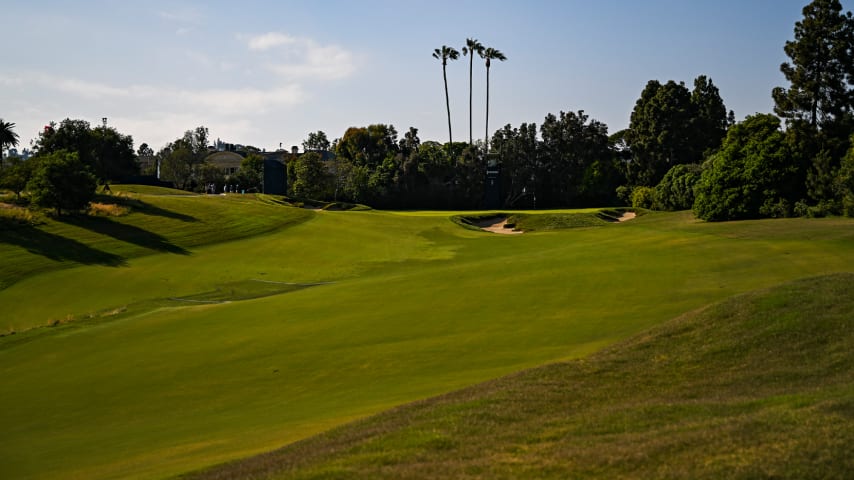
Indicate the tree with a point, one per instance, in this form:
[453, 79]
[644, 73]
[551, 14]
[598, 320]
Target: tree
[490, 54]
[410, 141]
[316, 141]
[471, 48]
[822, 67]
[251, 173]
[663, 129]
[845, 182]
[444, 54]
[309, 176]
[108, 153]
[62, 181]
[16, 175]
[177, 164]
[571, 147]
[710, 121]
[113, 155]
[145, 150]
[180, 159]
[751, 176]
[8, 138]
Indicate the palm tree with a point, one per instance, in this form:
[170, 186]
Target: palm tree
[444, 54]
[472, 47]
[8, 138]
[489, 54]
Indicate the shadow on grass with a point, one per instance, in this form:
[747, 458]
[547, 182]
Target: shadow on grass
[143, 207]
[125, 233]
[56, 247]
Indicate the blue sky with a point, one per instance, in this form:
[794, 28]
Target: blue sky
[270, 72]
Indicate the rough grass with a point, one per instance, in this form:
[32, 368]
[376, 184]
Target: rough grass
[758, 386]
[130, 384]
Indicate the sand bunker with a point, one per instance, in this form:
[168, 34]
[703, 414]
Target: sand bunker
[496, 225]
[627, 216]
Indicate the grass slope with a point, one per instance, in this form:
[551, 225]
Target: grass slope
[165, 223]
[758, 386]
[411, 306]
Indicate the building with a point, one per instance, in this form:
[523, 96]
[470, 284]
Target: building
[274, 181]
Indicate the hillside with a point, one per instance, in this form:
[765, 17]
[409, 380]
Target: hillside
[135, 221]
[758, 386]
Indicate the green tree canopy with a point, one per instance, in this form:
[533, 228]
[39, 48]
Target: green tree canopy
[444, 54]
[821, 71]
[61, 181]
[670, 126]
[108, 153]
[251, 173]
[8, 137]
[676, 189]
[181, 159]
[751, 176]
[309, 177]
[17, 174]
[316, 141]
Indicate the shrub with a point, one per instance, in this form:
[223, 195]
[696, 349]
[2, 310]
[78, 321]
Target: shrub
[644, 197]
[751, 176]
[676, 189]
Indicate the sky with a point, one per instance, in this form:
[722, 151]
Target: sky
[266, 73]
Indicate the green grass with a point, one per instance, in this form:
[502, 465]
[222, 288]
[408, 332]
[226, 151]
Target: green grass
[170, 224]
[131, 384]
[758, 386]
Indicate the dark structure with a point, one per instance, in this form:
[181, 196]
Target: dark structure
[492, 185]
[274, 177]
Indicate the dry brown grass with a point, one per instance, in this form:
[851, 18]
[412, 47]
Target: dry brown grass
[107, 210]
[17, 214]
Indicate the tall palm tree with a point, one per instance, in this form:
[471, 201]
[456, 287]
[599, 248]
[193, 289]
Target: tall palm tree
[472, 47]
[444, 54]
[490, 54]
[8, 138]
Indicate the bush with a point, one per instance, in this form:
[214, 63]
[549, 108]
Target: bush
[751, 176]
[676, 189]
[624, 194]
[644, 197]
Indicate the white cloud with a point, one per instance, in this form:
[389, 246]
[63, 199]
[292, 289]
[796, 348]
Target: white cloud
[301, 58]
[237, 100]
[244, 101]
[269, 40]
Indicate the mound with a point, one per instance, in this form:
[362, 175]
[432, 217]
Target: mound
[759, 386]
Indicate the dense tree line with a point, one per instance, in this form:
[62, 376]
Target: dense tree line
[681, 150]
[70, 159]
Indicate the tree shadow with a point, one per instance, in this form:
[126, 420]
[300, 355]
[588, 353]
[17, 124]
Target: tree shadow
[143, 207]
[57, 247]
[125, 233]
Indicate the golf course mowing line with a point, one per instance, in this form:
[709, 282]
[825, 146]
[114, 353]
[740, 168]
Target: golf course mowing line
[419, 307]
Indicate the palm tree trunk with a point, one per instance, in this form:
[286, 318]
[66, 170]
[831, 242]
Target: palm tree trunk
[486, 142]
[471, 61]
[447, 105]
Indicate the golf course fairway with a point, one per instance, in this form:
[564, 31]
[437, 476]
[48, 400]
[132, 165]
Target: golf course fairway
[213, 328]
